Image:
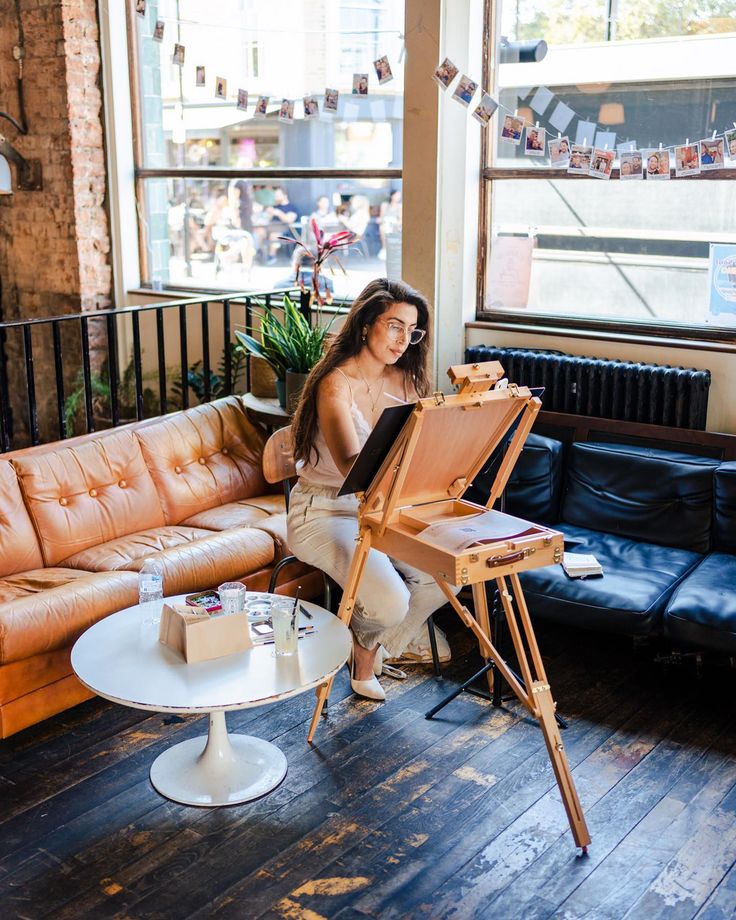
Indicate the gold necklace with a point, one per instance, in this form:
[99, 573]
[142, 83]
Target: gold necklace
[373, 402]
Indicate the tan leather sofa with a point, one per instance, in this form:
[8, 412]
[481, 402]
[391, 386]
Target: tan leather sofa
[77, 519]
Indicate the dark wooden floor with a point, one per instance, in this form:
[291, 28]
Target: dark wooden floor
[390, 815]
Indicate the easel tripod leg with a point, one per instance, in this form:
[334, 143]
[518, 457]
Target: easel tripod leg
[345, 613]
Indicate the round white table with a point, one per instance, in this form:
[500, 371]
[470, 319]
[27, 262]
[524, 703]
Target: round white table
[122, 660]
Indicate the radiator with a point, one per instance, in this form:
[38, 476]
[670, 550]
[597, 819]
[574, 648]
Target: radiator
[649, 393]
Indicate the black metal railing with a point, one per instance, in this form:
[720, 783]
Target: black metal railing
[52, 388]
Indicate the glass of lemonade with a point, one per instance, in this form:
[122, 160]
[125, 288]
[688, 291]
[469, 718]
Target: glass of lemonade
[285, 619]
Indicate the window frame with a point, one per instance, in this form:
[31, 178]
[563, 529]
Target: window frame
[142, 173]
[531, 320]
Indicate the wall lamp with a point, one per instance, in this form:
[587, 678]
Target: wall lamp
[30, 178]
[527, 52]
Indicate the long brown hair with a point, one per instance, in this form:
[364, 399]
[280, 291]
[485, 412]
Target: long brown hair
[372, 302]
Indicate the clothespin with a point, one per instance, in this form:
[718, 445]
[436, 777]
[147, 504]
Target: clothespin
[714, 135]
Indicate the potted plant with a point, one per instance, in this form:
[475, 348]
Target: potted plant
[311, 259]
[291, 345]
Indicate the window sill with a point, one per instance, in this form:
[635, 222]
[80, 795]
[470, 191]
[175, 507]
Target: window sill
[674, 337]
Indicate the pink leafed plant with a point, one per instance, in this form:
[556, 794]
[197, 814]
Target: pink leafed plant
[325, 248]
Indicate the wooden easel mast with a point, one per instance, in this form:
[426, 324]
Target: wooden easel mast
[385, 525]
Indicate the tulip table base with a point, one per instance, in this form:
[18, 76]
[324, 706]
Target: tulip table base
[218, 768]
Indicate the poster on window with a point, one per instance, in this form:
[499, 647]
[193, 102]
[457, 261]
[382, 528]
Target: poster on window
[509, 272]
[722, 278]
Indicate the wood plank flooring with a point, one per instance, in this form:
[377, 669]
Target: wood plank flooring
[390, 815]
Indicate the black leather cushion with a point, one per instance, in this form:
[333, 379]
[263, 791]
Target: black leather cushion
[629, 597]
[724, 536]
[702, 611]
[651, 495]
[535, 487]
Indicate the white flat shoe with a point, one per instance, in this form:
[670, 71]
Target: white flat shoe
[370, 689]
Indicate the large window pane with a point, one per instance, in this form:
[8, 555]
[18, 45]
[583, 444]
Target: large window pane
[227, 234]
[277, 49]
[633, 251]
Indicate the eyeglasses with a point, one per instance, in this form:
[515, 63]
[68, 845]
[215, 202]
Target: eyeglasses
[397, 332]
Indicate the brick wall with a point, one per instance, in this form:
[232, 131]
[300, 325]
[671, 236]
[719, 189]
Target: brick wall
[55, 243]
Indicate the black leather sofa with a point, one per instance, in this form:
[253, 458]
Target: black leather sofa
[662, 523]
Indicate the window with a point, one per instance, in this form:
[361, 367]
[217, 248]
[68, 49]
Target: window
[219, 184]
[634, 253]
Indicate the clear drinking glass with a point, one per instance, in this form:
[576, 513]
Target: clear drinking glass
[232, 596]
[285, 619]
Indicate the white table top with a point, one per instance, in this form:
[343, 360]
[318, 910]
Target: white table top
[123, 661]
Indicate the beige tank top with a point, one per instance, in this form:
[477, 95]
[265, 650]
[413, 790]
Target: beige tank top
[325, 471]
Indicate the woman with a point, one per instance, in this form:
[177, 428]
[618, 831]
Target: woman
[377, 359]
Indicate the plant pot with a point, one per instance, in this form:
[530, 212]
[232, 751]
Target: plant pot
[294, 386]
[281, 392]
[262, 378]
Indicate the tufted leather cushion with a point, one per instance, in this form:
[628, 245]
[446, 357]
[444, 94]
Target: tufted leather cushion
[204, 457]
[702, 611]
[535, 487]
[126, 552]
[724, 530]
[83, 496]
[48, 609]
[202, 562]
[655, 496]
[246, 513]
[19, 549]
[629, 598]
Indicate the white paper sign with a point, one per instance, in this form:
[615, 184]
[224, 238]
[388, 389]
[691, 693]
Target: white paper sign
[605, 139]
[585, 133]
[510, 271]
[541, 99]
[561, 117]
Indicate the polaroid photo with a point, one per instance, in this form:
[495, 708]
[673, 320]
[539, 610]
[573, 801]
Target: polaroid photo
[261, 107]
[178, 55]
[158, 31]
[511, 129]
[242, 99]
[311, 108]
[383, 69]
[445, 73]
[730, 144]
[580, 157]
[140, 7]
[559, 152]
[220, 88]
[687, 160]
[656, 164]
[360, 84]
[199, 79]
[485, 109]
[330, 100]
[286, 112]
[534, 138]
[631, 165]
[465, 90]
[711, 153]
[601, 163]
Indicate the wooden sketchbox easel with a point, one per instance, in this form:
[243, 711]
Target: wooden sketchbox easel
[441, 449]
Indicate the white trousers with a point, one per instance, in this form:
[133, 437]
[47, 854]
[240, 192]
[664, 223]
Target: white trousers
[394, 599]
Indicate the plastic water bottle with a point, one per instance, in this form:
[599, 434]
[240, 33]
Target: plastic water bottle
[150, 591]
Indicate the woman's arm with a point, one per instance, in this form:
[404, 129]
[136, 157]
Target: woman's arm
[336, 420]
